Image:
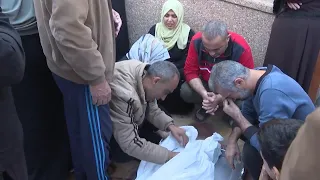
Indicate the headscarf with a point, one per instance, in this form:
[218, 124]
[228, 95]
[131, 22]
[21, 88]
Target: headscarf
[148, 49]
[178, 35]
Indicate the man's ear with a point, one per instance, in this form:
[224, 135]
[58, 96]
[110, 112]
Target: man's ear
[155, 80]
[228, 38]
[276, 172]
[239, 82]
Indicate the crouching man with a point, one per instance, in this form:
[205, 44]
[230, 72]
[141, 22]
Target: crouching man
[267, 94]
[135, 114]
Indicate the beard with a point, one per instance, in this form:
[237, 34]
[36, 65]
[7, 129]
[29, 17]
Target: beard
[244, 94]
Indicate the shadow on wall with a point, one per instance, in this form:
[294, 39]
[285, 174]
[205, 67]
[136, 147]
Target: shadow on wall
[253, 24]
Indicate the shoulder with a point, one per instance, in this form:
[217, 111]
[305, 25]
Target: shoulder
[197, 36]
[122, 93]
[239, 40]
[152, 30]
[191, 33]
[196, 39]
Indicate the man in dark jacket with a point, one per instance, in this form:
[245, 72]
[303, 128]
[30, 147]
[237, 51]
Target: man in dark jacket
[12, 161]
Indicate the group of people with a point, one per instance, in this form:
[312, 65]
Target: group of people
[62, 59]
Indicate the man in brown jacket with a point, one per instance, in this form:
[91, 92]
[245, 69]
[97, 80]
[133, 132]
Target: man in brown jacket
[302, 160]
[78, 39]
[135, 88]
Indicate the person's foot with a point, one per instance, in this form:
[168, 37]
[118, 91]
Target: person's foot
[201, 115]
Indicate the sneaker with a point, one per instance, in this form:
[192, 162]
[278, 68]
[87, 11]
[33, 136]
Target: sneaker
[201, 115]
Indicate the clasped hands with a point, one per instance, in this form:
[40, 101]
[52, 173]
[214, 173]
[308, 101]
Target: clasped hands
[211, 102]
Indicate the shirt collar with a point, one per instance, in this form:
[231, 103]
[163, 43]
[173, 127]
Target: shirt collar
[268, 70]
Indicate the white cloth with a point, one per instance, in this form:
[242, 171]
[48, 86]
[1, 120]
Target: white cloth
[195, 161]
[148, 49]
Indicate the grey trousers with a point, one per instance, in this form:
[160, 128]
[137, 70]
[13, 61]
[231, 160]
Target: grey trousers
[191, 96]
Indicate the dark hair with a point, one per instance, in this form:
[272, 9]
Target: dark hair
[164, 69]
[275, 137]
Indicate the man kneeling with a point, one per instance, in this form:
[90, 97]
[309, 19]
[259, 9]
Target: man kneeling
[135, 114]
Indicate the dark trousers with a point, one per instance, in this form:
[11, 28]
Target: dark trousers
[89, 128]
[39, 106]
[252, 160]
[12, 159]
[147, 131]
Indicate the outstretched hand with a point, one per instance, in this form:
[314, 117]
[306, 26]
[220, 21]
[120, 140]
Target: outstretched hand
[179, 134]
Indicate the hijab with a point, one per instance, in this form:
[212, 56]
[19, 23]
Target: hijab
[148, 49]
[178, 35]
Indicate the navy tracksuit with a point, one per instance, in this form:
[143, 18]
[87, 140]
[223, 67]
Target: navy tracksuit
[89, 128]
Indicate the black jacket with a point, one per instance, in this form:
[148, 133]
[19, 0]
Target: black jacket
[177, 56]
[11, 72]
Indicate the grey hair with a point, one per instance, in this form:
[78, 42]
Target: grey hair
[215, 28]
[224, 73]
[163, 69]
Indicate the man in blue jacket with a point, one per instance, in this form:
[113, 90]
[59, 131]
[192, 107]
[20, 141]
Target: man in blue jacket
[267, 94]
[12, 161]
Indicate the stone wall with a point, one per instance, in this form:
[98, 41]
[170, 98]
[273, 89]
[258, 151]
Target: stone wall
[250, 18]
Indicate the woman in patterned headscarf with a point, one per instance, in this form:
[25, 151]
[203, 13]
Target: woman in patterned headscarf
[176, 36]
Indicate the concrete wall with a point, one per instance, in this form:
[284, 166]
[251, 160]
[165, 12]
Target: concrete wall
[250, 18]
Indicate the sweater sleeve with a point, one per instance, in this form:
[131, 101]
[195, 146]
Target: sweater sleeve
[249, 112]
[157, 117]
[191, 67]
[12, 59]
[246, 59]
[74, 39]
[125, 132]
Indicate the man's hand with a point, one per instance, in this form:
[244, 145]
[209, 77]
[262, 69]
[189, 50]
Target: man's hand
[232, 151]
[101, 93]
[179, 134]
[117, 21]
[211, 103]
[230, 108]
[172, 155]
[294, 5]
[264, 175]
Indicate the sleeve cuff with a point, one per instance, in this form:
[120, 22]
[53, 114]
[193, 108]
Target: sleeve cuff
[167, 126]
[250, 131]
[254, 142]
[98, 80]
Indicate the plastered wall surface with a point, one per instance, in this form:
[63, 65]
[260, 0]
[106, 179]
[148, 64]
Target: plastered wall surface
[250, 18]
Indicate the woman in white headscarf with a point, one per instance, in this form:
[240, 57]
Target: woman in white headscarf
[176, 36]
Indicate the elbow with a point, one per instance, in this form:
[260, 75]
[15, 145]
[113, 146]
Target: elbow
[18, 68]
[14, 68]
[18, 76]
